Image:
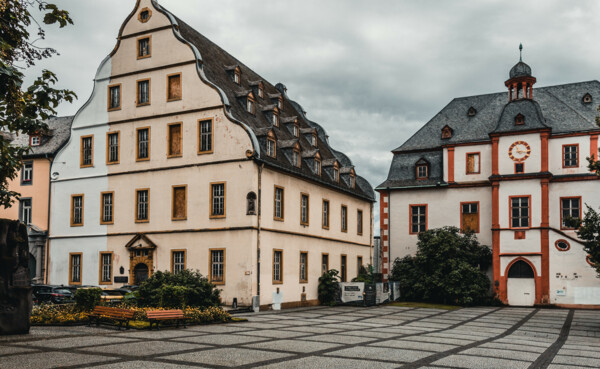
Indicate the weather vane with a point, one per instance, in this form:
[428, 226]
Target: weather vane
[521, 52]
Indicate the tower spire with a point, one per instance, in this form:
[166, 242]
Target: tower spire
[520, 52]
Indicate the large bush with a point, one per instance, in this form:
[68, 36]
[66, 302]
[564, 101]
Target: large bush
[87, 299]
[449, 268]
[329, 287]
[186, 288]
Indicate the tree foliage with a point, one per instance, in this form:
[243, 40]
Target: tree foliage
[185, 288]
[449, 268]
[23, 109]
[329, 287]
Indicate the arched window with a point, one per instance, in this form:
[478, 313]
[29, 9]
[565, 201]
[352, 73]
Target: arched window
[520, 269]
[519, 119]
[251, 204]
[422, 169]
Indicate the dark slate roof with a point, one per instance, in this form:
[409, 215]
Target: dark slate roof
[52, 140]
[561, 109]
[520, 70]
[216, 67]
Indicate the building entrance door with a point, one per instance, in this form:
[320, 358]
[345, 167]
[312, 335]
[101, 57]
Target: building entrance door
[521, 285]
[141, 273]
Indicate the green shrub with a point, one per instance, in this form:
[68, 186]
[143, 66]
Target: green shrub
[87, 299]
[329, 287]
[365, 275]
[186, 288]
[449, 268]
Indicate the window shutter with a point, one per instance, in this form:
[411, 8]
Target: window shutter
[179, 203]
[175, 139]
[470, 222]
[175, 87]
[470, 163]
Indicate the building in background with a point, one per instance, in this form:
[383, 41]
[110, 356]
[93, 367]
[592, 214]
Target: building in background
[33, 183]
[185, 158]
[510, 167]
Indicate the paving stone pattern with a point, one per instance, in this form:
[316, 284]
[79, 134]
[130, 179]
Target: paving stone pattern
[338, 337]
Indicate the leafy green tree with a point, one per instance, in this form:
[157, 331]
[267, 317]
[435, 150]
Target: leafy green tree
[23, 109]
[449, 268]
[186, 288]
[329, 287]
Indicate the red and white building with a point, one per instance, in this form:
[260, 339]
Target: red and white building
[510, 166]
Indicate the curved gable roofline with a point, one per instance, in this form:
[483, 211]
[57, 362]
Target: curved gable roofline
[199, 69]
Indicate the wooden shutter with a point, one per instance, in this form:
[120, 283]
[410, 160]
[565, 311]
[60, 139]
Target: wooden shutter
[470, 163]
[179, 203]
[175, 140]
[470, 222]
[175, 87]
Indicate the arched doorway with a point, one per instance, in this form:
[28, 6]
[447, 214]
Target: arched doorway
[521, 284]
[141, 273]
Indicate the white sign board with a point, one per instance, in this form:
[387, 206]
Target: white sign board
[352, 291]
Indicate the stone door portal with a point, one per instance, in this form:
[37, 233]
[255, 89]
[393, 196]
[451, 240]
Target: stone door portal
[521, 284]
[141, 273]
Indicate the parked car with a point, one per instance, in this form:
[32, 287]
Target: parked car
[113, 296]
[130, 287]
[52, 294]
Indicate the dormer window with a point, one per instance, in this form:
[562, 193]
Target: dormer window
[352, 180]
[296, 130]
[280, 103]
[336, 172]
[296, 157]
[587, 99]
[35, 140]
[471, 112]
[422, 169]
[275, 119]
[271, 146]
[250, 104]
[237, 75]
[519, 120]
[260, 90]
[313, 139]
[317, 165]
[446, 132]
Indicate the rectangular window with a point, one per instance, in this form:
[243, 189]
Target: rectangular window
[324, 263]
[144, 48]
[296, 130]
[174, 140]
[114, 97]
[142, 204]
[271, 148]
[343, 269]
[76, 210]
[143, 144]
[469, 217]
[296, 158]
[107, 208]
[422, 171]
[519, 212]
[177, 261]
[359, 264]
[87, 151]
[317, 167]
[179, 206]
[217, 266]
[336, 174]
[278, 203]
[519, 168]
[344, 218]
[25, 211]
[570, 156]
[277, 266]
[418, 218]
[174, 87]
[112, 149]
[75, 268]
[250, 106]
[205, 129]
[473, 163]
[359, 222]
[217, 200]
[106, 267]
[35, 140]
[304, 209]
[27, 173]
[303, 267]
[326, 214]
[570, 208]
[143, 92]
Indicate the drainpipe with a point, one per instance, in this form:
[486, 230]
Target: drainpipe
[389, 229]
[259, 209]
[47, 250]
[371, 239]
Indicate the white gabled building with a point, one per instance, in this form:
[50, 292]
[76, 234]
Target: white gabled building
[511, 167]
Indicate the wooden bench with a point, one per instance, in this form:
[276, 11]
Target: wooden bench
[155, 316]
[123, 316]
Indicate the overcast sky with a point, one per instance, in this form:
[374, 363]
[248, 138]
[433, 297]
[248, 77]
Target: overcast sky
[370, 72]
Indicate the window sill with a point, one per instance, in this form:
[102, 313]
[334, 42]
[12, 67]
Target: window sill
[114, 109]
[76, 225]
[277, 282]
[178, 219]
[107, 223]
[142, 221]
[218, 283]
[113, 163]
[144, 57]
[205, 152]
[140, 105]
[174, 156]
[86, 166]
[217, 217]
[144, 159]
[176, 99]
[279, 219]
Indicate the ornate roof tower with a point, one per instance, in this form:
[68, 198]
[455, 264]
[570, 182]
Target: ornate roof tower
[520, 82]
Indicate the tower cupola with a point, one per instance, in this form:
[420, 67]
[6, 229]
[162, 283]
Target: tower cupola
[520, 82]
